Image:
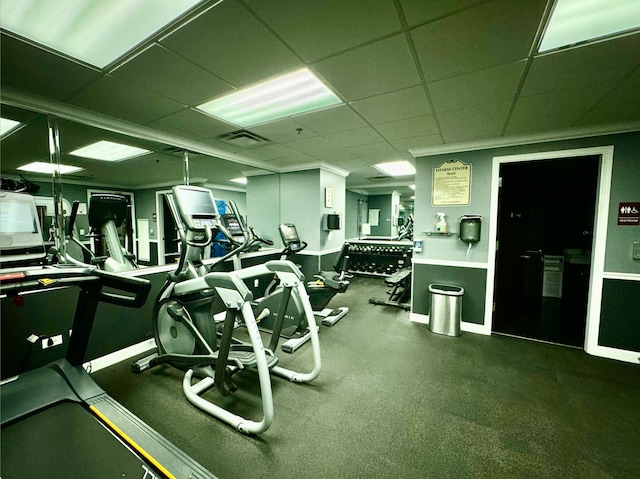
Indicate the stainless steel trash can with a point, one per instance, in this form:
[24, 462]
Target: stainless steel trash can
[445, 311]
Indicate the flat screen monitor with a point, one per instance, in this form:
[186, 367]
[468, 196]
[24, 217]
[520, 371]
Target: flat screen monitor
[196, 206]
[20, 237]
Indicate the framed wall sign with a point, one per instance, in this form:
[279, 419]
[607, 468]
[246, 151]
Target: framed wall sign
[451, 184]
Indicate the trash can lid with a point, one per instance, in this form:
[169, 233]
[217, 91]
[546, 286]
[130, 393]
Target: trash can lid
[447, 289]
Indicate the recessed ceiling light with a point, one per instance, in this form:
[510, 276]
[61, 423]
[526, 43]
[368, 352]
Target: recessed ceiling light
[6, 126]
[576, 21]
[397, 168]
[290, 94]
[242, 181]
[109, 151]
[44, 167]
[95, 32]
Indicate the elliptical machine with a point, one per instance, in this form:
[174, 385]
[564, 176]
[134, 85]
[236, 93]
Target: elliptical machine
[106, 214]
[185, 332]
[325, 286]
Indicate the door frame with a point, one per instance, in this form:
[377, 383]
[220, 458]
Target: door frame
[160, 225]
[605, 153]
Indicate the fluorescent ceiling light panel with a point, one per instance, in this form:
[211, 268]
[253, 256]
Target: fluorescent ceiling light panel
[93, 31]
[242, 181]
[575, 21]
[7, 125]
[290, 94]
[109, 151]
[397, 168]
[44, 167]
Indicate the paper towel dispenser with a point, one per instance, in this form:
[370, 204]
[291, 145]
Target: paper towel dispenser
[470, 228]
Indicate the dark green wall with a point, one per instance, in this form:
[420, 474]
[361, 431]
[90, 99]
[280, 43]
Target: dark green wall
[473, 280]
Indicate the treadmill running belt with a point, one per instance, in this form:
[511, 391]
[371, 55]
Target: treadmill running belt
[66, 441]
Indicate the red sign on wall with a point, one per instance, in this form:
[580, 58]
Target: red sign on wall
[629, 214]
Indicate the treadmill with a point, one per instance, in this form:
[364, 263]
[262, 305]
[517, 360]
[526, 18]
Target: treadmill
[56, 421]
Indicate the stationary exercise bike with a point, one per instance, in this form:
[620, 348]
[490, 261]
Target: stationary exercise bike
[186, 334]
[325, 286]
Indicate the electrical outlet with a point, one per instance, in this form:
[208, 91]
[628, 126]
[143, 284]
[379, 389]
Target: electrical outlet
[51, 341]
[256, 282]
[635, 252]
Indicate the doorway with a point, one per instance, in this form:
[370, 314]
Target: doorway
[545, 235]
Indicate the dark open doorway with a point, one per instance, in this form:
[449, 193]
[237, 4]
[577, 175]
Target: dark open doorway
[546, 214]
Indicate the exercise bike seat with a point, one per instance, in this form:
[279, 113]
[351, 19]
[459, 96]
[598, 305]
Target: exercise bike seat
[397, 277]
[331, 279]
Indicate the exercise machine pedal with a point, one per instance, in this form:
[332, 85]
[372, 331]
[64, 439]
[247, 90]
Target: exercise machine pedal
[330, 316]
[293, 344]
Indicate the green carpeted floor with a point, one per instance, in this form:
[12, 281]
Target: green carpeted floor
[396, 401]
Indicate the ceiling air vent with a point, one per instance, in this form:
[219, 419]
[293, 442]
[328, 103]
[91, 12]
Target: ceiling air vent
[378, 178]
[243, 139]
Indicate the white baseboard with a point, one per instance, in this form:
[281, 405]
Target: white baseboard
[467, 327]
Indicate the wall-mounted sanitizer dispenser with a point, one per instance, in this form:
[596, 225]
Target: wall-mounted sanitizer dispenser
[470, 228]
[331, 222]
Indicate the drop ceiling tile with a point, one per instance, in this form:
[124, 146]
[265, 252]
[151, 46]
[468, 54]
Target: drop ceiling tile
[554, 111]
[192, 124]
[594, 63]
[331, 120]
[370, 70]
[31, 69]
[311, 145]
[406, 144]
[333, 155]
[351, 164]
[491, 34]
[620, 105]
[472, 89]
[419, 11]
[287, 162]
[360, 136]
[397, 105]
[284, 130]
[374, 152]
[231, 43]
[479, 122]
[164, 72]
[397, 130]
[270, 152]
[318, 29]
[121, 99]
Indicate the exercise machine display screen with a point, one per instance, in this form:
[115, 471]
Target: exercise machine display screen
[289, 234]
[20, 236]
[232, 224]
[16, 217]
[196, 206]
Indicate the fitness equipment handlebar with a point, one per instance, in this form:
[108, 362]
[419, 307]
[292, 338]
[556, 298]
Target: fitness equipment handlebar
[16, 282]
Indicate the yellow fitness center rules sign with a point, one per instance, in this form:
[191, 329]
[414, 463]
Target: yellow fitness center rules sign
[451, 184]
